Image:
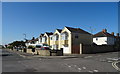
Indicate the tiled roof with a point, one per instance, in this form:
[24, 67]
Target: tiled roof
[77, 30]
[103, 34]
[59, 30]
[49, 33]
[32, 40]
[41, 34]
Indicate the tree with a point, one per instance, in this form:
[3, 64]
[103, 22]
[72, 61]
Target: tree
[17, 43]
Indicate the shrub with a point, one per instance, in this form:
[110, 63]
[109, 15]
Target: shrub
[10, 47]
[31, 47]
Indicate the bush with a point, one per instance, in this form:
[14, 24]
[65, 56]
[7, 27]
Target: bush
[10, 47]
[31, 47]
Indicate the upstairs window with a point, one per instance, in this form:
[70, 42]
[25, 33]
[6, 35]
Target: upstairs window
[51, 38]
[64, 36]
[76, 36]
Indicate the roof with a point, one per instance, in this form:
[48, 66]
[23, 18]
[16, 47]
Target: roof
[49, 33]
[59, 30]
[41, 34]
[103, 34]
[77, 30]
[32, 40]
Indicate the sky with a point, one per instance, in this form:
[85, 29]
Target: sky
[34, 18]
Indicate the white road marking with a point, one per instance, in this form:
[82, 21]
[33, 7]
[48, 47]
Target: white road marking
[69, 66]
[115, 66]
[90, 71]
[79, 68]
[84, 67]
[95, 70]
[110, 61]
[88, 56]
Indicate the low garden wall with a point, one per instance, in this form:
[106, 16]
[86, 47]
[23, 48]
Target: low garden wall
[46, 52]
[97, 49]
[43, 52]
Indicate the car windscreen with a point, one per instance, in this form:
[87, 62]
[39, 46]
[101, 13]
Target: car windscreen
[38, 46]
[45, 45]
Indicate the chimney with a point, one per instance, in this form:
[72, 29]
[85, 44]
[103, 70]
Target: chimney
[112, 33]
[117, 34]
[33, 38]
[104, 30]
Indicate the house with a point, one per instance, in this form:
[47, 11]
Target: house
[40, 38]
[104, 38]
[46, 37]
[32, 42]
[51, 41]
[71, 39]
[57, 39]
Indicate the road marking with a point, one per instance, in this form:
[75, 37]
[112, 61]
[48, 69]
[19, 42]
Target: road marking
[90, 71]
[115, 66]
[79, 68]
[95, 70]
[84, 67]
[88, 56]
[21, 55]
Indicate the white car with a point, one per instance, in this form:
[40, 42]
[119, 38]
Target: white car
[43, 46]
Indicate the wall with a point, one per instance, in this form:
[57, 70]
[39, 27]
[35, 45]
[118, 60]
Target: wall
[82, 38]
[111, 40]
[100, 40]
[69, 40]
[51, 41]
[43, 52]
[39, 52]
[97, 48]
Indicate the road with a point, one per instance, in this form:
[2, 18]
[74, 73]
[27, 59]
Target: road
[102, 62]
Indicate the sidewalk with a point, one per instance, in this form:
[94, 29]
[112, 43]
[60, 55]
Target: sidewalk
[29, 55]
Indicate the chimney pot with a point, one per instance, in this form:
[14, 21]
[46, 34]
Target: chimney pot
[104, 30]
[112, 33]
[117, 34]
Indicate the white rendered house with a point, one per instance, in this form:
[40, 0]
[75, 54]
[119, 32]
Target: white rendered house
[104, 38]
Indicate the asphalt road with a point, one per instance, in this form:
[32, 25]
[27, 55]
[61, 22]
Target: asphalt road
[102, 62]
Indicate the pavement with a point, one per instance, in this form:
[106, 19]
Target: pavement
[91, 63]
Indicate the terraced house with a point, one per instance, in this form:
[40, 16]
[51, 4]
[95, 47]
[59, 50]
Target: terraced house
[67, 38]
[46, 37]
[57, 39]
[71, 39]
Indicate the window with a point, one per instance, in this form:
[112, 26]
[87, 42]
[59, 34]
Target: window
[45, 39]
[57, 37]
[51, 38]
[64, 36]
[38, 46]
[40, 39]
[76, 36]
[96, 38]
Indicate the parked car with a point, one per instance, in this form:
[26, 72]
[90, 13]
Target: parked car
[43, 47]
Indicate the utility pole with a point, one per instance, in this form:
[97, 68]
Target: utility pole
[25, 36]
[91, 30]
